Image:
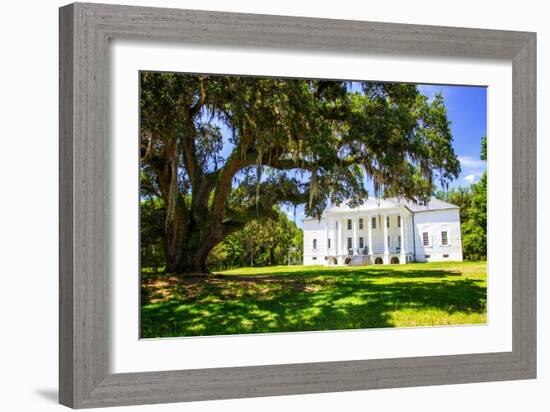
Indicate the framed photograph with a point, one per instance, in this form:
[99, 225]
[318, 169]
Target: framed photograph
[257, 205]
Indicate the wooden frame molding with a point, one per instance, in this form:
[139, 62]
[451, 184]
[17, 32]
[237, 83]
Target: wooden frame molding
[85, 31]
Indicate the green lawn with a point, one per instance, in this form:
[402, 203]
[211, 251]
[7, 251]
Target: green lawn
[309, 298]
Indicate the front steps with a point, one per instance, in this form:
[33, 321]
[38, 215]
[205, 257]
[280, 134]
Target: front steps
[359, 260]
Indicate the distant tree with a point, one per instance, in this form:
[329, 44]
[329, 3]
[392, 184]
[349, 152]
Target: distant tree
[260, 243]
[472, 201]
[459, 196]
[292, 141]
[475, 228]
[152, 218]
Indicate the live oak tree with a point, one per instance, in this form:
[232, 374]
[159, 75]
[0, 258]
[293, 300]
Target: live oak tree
[220, 151]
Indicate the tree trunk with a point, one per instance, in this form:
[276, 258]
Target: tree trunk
[188, 264]
[188, 255]
[190, 246]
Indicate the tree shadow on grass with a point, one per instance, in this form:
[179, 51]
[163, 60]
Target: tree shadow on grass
[221, 305]
[373, 273]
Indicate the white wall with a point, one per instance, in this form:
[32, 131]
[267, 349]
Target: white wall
[28, 211]
[315, 229]
[433, 223]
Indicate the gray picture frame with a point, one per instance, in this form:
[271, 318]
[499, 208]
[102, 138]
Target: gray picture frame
[85, 31]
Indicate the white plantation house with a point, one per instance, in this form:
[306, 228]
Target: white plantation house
[383, 231]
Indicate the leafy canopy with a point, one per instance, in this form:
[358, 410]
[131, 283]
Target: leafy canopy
[273, 140]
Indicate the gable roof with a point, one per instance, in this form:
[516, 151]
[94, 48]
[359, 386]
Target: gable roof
[433, 204]
[373, 203]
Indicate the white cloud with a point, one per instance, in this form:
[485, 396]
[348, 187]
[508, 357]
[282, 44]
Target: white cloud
[470, 178]
[470, 162]
[472, 168]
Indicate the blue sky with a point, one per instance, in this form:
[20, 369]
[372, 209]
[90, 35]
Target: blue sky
[467, 111]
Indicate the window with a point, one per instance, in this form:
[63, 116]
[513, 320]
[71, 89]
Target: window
[373, 223]
[314, 258]
[389, 243]
[425, 239]
[444, 238]
[398, 221]
[349, 224]
[445, 256]
[349, 243]
[427, 256]
[360, 224]
[328, 243]
[314, 243]
[361, 243]
[387, 221]
[399, 241]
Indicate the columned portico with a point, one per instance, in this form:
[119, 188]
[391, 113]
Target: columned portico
[381, 244]
[380, 231]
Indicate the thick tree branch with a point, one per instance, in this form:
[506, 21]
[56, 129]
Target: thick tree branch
[190, 158]
[238, 220]
[225, 175]
[194, 110]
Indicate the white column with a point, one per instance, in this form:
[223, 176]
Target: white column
[343, 235]
[326, 236]
[369, 228]
[355, 240]
[386, 250]
[339, 236]
[336, 242]
[403, 258]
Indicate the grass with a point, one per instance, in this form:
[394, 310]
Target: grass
[313, 298]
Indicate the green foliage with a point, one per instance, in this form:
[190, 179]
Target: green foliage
[483, 155]
[474, 229]
[472, 201]
[310, 298]
[152, 224]
[259, 243]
